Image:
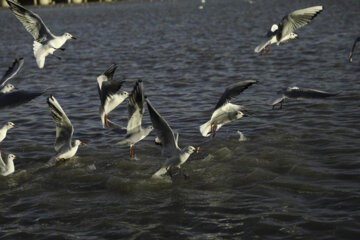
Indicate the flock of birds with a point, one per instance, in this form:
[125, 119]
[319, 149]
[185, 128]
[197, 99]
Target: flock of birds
[45, 43]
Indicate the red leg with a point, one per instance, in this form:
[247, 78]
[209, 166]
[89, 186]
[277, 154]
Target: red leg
[106, 121]
[268, 51]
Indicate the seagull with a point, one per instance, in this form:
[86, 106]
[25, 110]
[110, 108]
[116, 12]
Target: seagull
[10, 73]
[174, 155]
[135, 132]
[299, 93]
[107, 88]
[284, 31]
[9, 167]
[4, 129]
[45, 42]
[224, 111]
[10, 98]
[353, 48]
[64, 132]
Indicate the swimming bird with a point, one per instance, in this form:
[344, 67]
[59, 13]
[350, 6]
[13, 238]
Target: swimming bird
[284, 31]
[64, 131]
[175, 156]
[299, 93]
[135, 132]
[10, 73]
[353, 48]
[45, 42]
[107, 88]
[224, 111]
[9, 167]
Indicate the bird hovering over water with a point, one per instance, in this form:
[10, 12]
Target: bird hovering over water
[45, 42]
[284, 31]
[224, 111]
[107, 88]
[64, 131]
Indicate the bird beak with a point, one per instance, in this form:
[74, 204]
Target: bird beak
[82, 143]
[73, 38]
[16, 88]
[197, 150]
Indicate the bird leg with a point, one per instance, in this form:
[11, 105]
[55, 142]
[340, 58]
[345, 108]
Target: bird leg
[106, 121]
[56, 56]
[3, 152]
[62, 49]
[212, 128]
[131, 152]
[268, 51]
[181, 172]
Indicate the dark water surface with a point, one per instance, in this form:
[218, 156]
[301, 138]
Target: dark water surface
[297, 176]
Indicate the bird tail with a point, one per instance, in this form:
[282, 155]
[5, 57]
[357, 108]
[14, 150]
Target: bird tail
[159, 173]
[205, 129]
[39, 54]
[261, 46]
[123, 142]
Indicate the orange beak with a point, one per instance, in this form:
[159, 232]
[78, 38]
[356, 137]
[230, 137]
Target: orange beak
[197, 150]
[82, 143]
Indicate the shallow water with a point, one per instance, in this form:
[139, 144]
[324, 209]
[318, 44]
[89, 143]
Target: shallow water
[296, 177]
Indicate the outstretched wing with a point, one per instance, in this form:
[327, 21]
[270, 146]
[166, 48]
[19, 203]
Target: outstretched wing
[136, 107]
[64, 129]
[14, 99]
[2, 164]
[232, 91]
[12, 71]
[106, 85]
[31, 21]
[164, 132]
[298, 19]
[353, 49]
[296, 92]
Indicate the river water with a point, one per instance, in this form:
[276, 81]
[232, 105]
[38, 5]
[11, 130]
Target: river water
[296, 177]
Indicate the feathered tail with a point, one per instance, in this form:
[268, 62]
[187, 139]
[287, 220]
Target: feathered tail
[159, 173]
[39, 54]
[262, 46]
[205, 129]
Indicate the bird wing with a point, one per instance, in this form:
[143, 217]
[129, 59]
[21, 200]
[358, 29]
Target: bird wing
[296, 92]
[136, 107]
[12, 71]
[298, 19]
[353, 49]
[2, 163]
[14, 99]
[106, 85]
[232, 91]
[31, 21]
[164, 132]
[64, 128]
[116, 127]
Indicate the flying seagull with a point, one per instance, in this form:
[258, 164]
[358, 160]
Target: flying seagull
[224, 111]
[10, 98]
[174, 155]
[45, 42]
[64, 131]
[284, 31]
[299, 93]
[353, 48]
[107, 88]
[9, 167]
[135, 132]
[4, 129]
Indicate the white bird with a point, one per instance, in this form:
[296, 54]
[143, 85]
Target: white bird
[175, 157]
[10, 98]
[9, 167]
[135, 132]
[224, 111]
[284, 31]
[299, 93]
[4, 129]
[107, 88]
[353, 48]
[64, 132]
[45, 42]
[10, 73]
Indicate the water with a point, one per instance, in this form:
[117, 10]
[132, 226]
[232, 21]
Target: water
[296, 177]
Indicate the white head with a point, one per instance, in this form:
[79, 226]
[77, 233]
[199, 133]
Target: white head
[78, 142]
[10, 125]
[149, 128]
[68, 36]
[293, 36]
[274, 28]
[190, 149]
[8, 88]
[124, 94]
[11, 157]
[239, 115]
